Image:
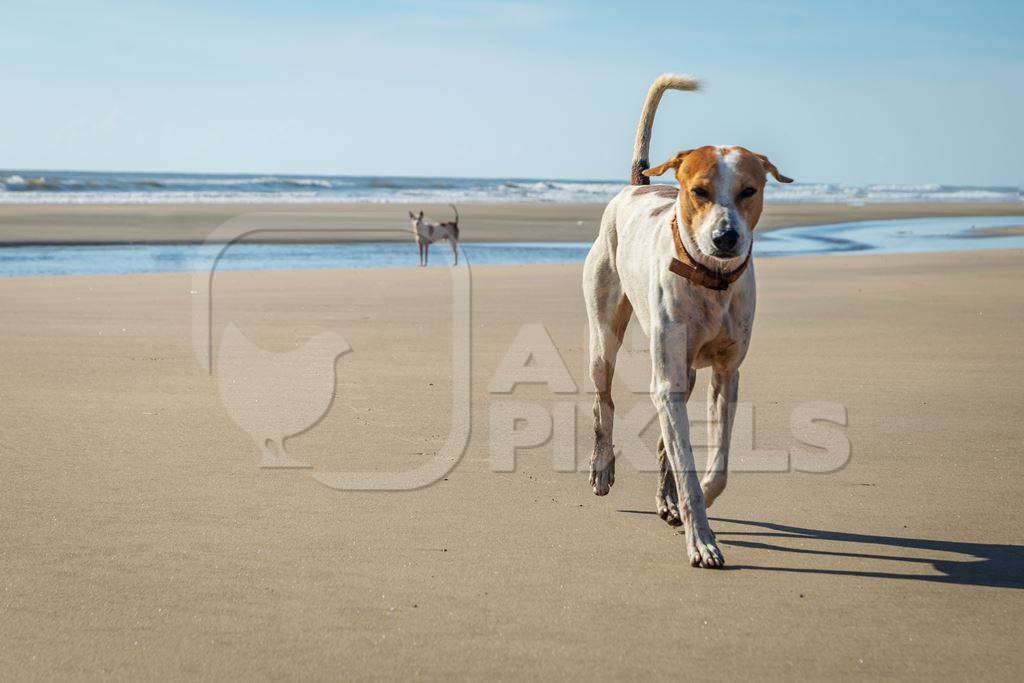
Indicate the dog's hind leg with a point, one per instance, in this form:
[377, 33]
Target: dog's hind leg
[608, 311]
[667, 497]
[722, 394]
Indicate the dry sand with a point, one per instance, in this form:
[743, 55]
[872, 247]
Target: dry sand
[22, 224]
[140, 539]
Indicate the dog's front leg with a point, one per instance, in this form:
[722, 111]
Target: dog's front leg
[722, 394]
[670, 388]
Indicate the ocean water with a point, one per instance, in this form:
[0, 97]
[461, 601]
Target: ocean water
[903, 236]
[884, 237]
[74, 187]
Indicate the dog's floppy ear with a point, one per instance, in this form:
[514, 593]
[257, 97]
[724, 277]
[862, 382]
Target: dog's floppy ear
[671, 163]
[769, 167]
[421, 215]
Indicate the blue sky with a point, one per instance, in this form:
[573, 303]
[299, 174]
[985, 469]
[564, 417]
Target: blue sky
[854, 92]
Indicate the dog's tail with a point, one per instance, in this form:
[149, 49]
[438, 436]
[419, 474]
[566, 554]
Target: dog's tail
[455, 223]
[643, 130]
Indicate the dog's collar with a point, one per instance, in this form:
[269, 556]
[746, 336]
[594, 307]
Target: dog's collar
[686, 267]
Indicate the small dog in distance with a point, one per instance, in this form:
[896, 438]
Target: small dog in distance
[427, 232]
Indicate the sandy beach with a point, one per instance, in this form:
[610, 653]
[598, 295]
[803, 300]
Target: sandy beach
[509, 221]
[140, 539]
[243, 436]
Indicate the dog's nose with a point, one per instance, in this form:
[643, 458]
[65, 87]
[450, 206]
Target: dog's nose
[725, 238]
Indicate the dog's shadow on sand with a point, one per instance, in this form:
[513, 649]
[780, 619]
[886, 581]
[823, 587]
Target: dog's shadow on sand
[997, 566]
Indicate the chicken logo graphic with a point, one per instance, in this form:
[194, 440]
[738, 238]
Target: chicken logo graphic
[276, 395]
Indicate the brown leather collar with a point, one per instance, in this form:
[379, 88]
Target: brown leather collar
[698, 273]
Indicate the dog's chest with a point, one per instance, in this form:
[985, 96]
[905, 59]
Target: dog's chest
[718, 324]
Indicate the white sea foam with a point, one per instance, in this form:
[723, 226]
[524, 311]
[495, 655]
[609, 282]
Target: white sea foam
[64, 187]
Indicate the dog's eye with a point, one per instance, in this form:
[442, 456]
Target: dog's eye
[747, 192]
[700, 193]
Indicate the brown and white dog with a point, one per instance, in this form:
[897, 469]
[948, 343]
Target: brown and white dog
[680, 260]
[427, 232]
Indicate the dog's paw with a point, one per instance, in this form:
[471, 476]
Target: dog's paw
[702, 549]
[668, 506]
[670, 513]
[602, 474]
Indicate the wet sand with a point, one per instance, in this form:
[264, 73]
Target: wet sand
[140, 539]
[21, 224]
[998, 232]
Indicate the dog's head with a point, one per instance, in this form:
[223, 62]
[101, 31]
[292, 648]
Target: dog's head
[721, 195]
[416, 219]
